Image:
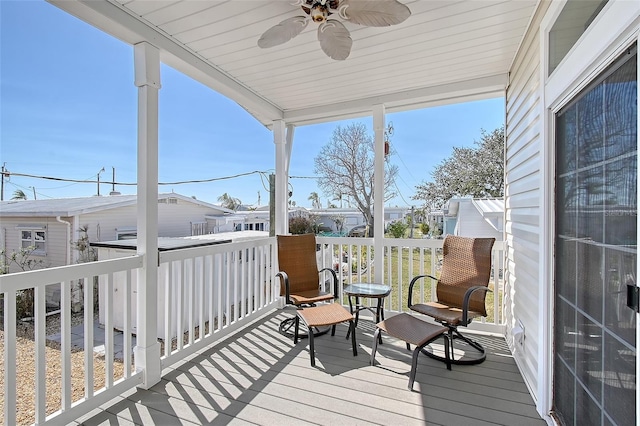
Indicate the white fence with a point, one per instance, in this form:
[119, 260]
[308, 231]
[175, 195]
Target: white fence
[207, 293]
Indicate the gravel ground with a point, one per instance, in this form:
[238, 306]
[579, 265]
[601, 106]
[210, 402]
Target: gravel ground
[25, 368]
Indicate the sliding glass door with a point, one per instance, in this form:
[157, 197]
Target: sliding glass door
[594, 374]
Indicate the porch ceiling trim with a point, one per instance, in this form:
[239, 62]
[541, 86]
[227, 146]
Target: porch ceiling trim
[444, 94]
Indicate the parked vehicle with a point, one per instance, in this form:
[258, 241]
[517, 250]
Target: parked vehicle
[358, 231]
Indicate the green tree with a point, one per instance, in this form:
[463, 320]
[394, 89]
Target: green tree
[229, 202]
[473, 171]
[345, 166]
[19, 194]
[315, 200]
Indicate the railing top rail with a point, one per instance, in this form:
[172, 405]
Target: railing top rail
[187, 253]
[29, 279]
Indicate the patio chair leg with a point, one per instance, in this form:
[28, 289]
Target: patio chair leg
[448, 348]
[297, 327]
[312, 352]
[375, 346]
[333, 330]
[352, 327]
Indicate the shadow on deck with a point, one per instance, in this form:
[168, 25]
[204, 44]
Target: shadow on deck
[258, 376]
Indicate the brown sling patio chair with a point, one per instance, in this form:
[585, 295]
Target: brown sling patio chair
[299, 276]
[461, 291]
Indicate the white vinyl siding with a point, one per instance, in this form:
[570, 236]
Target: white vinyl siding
[523, 193]
[174, 220]
[56, 243]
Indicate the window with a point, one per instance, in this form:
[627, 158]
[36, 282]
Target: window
[33, 236]
[573, 21]
[198, 228]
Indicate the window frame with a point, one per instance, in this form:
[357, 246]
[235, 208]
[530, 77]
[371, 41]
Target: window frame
[33, 241]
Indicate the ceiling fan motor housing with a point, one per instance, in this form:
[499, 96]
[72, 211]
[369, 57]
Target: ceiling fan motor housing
[319, 11]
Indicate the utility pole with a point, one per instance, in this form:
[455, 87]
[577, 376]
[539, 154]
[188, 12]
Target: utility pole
[102, 170]
[2, 182]
[34, 192]
[413, 223]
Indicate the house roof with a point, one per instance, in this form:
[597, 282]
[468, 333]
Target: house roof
[489, 206]
[445, 52]
[486, 206]
[82, 205]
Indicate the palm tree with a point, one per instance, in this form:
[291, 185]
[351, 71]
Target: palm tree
[315, 200]
[19, 194]
[229, 202]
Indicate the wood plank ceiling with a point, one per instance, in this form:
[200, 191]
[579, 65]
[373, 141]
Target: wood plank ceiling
[446, 49]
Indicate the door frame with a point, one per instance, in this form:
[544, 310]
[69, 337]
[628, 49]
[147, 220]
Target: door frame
[615, 29]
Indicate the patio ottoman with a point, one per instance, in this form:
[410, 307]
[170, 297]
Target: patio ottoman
[321, 316]
[413, 331]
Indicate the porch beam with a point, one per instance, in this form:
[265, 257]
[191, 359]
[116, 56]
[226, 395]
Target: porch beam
[378, 193]
[443, 94]
[147, 79]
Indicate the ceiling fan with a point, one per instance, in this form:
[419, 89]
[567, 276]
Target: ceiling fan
[333, 36]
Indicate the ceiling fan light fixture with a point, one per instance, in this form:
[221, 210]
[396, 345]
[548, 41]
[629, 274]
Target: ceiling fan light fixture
[319, 13]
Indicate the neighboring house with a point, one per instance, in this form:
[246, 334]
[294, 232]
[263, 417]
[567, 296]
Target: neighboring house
[327, 219]
[352, 217]
[475, 217]
[53, 225]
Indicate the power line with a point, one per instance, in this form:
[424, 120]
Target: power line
[8, 174]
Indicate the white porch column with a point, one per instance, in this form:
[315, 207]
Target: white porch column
[378, 194]
[147, 79]
[284, 143]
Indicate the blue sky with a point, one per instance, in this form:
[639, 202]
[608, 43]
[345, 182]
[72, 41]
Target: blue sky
[68, 108]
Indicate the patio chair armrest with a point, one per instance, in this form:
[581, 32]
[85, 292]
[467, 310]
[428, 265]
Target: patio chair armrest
[412, 283]
[284, 278]
[335, 280]
[467, 297]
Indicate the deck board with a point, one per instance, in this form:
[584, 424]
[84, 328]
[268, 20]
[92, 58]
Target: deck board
[259, 376]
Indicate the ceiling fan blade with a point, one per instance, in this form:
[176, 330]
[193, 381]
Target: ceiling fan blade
[283, 32]
[374, 13]
[334, 39]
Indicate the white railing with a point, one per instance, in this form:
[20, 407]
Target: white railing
[16, 286]
[403, 259]
[204, 293]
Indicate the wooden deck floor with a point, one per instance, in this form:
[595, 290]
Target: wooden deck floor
[258, 376]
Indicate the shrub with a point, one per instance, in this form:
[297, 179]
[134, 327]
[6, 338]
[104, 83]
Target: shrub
[424, 228]
[398, 229]
[300, 225]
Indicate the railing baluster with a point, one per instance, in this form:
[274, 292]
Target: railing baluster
[192, 294]
[88, 337]
[126, 334]
[9, 358]
[209, 292]
[40, 339]
[181, 279]
[168, 308]
[218, 288]
[108, 333]
[201, 299]
[65, 343]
